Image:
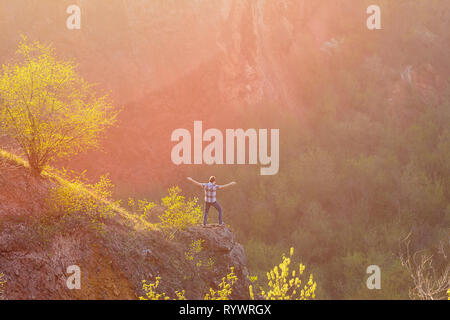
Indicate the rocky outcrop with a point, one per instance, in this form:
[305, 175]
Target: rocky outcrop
[219, 242]
[37, 247]
[112, 265]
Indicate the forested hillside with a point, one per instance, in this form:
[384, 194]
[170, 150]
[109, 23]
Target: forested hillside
[363, 116]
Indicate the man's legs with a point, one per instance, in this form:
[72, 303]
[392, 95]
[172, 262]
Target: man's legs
[219, 208]
[205, 214]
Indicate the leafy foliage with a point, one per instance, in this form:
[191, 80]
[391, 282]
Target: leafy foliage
[179, 213]
[150, 291]
[225, 287]
[285, 285]
[365, 156]
[192, 254]
[223, 293]
[151, 294]
[282, 284]
[48, 109]
[74, 195]
[195, 248]
[143, 207]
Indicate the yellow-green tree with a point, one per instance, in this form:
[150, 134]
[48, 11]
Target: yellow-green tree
[47, 108]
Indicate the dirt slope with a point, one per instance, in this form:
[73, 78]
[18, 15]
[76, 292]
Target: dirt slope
[36, 248]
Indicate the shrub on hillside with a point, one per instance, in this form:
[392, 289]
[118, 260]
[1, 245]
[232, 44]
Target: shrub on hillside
[151, 293]
[72, 196]
[285, 285]
[225, 288]
[141, 207]
[179, 213]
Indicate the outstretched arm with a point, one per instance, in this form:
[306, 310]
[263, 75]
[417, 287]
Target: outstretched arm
[195, 182]
[227, 185]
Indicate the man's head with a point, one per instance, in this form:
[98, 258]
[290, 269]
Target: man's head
[212, 179]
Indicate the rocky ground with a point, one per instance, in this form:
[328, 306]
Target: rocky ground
[37, 247]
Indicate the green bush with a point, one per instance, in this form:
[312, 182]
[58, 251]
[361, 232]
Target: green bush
[225, 288]
[179, 213]
[142, 207]
[283, 284]
[73, 195]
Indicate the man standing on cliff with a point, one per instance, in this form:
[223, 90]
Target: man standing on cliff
[210, 196]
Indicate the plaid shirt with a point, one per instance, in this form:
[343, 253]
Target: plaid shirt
[210, 191]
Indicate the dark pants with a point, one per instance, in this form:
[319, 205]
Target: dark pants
[215, 205]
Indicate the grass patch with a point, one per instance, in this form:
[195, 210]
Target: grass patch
[13, 159]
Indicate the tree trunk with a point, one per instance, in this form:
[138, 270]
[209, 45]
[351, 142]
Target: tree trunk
[35, 168]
